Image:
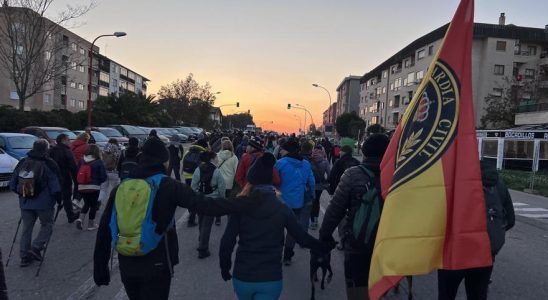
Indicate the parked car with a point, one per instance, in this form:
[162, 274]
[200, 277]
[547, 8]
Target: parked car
[169, 132]
[100, 139]
[48, 133]
[112, 133]
[192, 136]
[17, 145]
[131, 131]
[7, 166]
[162, 137]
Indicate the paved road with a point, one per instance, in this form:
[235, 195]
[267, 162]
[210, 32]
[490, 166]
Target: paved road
[520, 272]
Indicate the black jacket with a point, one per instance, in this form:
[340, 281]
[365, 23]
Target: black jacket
[490, 177]
[64, 158]
[346, 161]
[175, 154]
[346, 200]
[130, 153]
[260, 235]
[171, 194]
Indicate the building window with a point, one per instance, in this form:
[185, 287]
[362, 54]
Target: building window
[384, 90]
[407, 63]
[361, 86]
[81, 69]
[497, 93]
[73, 65]
[529, 73]
[47, 99]
[499, 70]
[131, 75]
[392, 86]
[80, 86]
[73, 84]
[532, 50]
[397, 83]
[82, 51]
[430, 50]
[73, 47]
[421, 54]
[501, 46]
[517, 47]
[411, 78]
[81, 104]
[103, 91]
[420, 75]
[123, 71]
[395, 118]
[384, 74]
[104, 77]
[72, 102]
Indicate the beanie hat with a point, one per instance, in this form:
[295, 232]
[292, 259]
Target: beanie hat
[375, 145]
[255, 143]
[155, 151]
[202, 143]
[291, 145]
[306, 147]
[261, 171]
[207, 156]
[133, 142]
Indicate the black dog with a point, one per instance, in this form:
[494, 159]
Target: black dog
[320, 261]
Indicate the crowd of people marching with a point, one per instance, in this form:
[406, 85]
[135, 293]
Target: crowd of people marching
[269, 185]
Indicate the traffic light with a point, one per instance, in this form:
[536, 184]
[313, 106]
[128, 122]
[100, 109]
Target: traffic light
[237, 104]
[288, 105]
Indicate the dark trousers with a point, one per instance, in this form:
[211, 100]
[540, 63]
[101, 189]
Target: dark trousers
[228, 193]
[289, 240]
[191, 214]
[174, 168]
[356, 273]
[3, 287]
[91, 204]
[476, 282]
[140, 289]
[205, 224]
[66, 193]
[315, 213]
[29, 217]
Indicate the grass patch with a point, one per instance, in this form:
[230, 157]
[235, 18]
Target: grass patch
[521, 180]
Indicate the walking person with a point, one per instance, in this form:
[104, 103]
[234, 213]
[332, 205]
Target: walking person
[354, 184]
[63, 157]
[207, 179]
[295, 178]
[36, 181]
[254, 150]
[191, 161]
[227, 165]
[320, 169]
[241, 147]
[80, 146]
[176, 152]
[500, 218]
[111, 157]
[257, 272]
[345, 161]
[91, 174]
[148, 274]
[128, 158]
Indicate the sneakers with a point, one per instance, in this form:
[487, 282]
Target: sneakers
[287, 262]
[25, 262]
[203, 254]
[92, 226]
[79, 224]
[35, 254]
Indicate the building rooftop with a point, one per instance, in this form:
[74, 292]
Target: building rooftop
[349, 77]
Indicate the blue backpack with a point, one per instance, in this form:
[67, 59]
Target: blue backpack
[133, 230]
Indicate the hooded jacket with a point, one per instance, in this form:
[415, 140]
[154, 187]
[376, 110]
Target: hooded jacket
[51, 188]
[342, 164]
[260, 236]
[78, 148]
[247, 160]
[490, 178]
[228, 164]
[98, 174]
[296, 178]
[193, 148]
[217, 182]
[171, 194]
[64, 158]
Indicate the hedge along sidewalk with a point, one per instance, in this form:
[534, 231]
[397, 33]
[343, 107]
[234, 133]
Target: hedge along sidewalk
[521, 181]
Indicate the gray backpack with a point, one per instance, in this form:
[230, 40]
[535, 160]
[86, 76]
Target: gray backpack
[30, 177]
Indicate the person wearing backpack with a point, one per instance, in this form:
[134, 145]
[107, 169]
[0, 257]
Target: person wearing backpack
[36, 181]
[111, 157]
[257, 271]
[128, 158]
[346, 161]
[227, 165]
[91, 174]
[80, 146]
[359, 185]
[147, 271]
[176, 152]
[61, 154]
[320, 169]
[254, 150]
[500, 218]
[207, 180]
[296, 179]
[191, 161]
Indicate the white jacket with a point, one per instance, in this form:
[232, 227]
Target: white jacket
[227, 164]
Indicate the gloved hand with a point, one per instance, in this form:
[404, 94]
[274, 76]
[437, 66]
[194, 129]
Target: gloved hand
[101, 277]
[226, 275]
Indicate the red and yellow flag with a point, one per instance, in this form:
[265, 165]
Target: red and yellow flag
[434, 211]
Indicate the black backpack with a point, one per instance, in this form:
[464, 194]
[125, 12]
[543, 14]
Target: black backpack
[127, 165]
[191, 161]
[30, 178]
[365, 219]
[206, 176]
[496, 217]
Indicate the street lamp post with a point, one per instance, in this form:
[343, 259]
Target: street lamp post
[300, 122]
[90, 69]
[328, 109]
[298, 106]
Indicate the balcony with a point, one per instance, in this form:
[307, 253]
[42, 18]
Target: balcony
[544, 61]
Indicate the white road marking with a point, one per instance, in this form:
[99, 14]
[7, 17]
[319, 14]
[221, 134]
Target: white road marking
[531, 209]
[520, 204]
[535, 216]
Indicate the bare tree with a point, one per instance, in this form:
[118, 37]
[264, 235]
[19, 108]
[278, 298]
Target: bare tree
[32, 50]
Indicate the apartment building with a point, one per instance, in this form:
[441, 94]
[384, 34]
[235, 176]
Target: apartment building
[70, 90]
[329, 117]
[348, 95]
[500, 54]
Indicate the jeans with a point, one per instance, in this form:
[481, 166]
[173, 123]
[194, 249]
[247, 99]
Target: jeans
[146, 289]
[205, 223]
[90, 204]
[174, 168]
[269, 290]
[113, 179]
[289, 240]
[46, 228]
[476, 282]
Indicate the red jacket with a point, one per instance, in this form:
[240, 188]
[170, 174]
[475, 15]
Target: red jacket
[78, 148]
[245, 163]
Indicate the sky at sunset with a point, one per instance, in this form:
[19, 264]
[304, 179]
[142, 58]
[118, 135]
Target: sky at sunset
[265, 54]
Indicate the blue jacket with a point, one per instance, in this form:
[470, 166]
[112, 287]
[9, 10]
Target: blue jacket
[51, 191]
[296, 177]
[98, 174]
